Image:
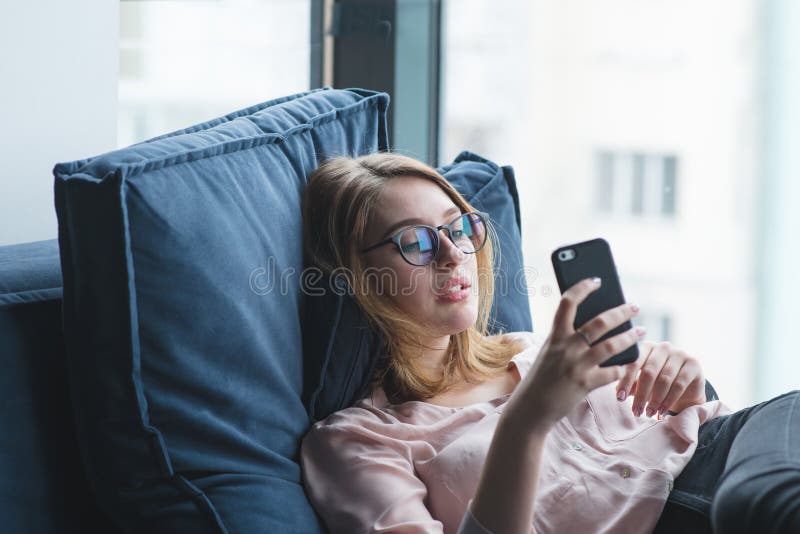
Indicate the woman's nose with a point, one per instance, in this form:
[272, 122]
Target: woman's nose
[448, 251]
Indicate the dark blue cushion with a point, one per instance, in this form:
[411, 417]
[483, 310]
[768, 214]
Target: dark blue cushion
[42, 487]
[29, 273]
[340, 364]
[180, 258]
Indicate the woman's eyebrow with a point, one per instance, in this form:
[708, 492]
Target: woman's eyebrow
[404, 222]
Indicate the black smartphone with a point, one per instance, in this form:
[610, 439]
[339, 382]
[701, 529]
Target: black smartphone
[573, 263]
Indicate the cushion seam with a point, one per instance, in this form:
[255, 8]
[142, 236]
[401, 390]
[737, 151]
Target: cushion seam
[79, 164]
[480, 192]
[161, 455]
[226, 147]
[26, 291]
[196, 494]
[233, 116]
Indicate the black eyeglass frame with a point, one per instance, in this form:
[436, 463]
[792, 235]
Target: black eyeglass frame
[395, 238]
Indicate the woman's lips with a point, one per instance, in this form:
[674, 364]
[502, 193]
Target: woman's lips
[456, 296]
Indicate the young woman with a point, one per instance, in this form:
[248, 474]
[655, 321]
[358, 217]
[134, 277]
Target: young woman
[514, 433]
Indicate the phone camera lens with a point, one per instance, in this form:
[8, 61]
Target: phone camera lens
[566, 255]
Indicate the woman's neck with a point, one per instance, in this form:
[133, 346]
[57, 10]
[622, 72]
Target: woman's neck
[431, 356]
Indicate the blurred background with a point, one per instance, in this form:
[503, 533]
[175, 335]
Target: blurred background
[670, 128]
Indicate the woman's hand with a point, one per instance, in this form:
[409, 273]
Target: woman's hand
[567, 367]
[669, 379]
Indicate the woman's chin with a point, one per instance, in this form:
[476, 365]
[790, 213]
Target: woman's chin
[459, 322]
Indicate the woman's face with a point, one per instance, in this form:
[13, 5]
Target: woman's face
[421, 291]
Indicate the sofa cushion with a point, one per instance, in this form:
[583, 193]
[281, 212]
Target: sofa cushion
[43, 487]
[29, 273]
[339, 365]
[180, 257]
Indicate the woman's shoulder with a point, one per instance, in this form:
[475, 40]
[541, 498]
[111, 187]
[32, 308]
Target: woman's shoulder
[360, 413]
[369, 412]
[366, 426]
[343, 436]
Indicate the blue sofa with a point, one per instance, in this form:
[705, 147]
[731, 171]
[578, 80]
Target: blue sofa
[162, 359]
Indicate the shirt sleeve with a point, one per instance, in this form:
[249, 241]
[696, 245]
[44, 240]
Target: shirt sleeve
[362, 482]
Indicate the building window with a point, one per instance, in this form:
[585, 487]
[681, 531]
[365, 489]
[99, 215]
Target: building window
[605, 181]
[636, 183]
[668, 193]
[658, 325]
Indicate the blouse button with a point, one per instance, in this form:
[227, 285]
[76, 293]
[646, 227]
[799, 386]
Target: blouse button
[577, 446]
[626, 473]
[670, 485]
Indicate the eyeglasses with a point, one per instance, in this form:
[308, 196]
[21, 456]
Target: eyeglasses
[419, 244]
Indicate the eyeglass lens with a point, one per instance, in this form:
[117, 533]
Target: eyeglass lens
[418, 243]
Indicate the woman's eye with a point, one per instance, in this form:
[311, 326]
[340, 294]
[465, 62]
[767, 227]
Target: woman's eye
[458, 233]
[412, 247]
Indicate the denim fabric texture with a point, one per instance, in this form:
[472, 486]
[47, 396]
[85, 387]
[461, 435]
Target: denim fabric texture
[744, 475]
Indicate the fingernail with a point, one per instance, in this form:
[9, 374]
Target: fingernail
[622, 394]
[637, 411]
[640, 331]
[634, 308]
[596, 280]
[650, 411]
[662, 410]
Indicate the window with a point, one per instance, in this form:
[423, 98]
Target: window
[636, 184]
[185, 62]
[675, 148]
[658, 325]
[551, 88]
[485, 78]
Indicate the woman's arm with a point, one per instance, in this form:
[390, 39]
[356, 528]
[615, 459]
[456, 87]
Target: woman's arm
[361, 482]
[565, 370]
[506, 490]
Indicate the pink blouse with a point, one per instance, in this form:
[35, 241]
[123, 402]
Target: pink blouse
[414, 467]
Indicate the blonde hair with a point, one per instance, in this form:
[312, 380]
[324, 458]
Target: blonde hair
[338, 203]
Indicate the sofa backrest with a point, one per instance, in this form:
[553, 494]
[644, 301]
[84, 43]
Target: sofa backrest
[182, 312]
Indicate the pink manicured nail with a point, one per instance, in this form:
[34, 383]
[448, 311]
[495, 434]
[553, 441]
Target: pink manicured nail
[637, 411]
[634, 308]
[650, 411]
[622, 395]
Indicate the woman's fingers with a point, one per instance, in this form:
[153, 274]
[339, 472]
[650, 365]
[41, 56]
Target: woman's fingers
[647, 377]
[627, 385]
[564, 318]
[669, 378]
[600, 376]
[598, 326]
[604, 350]
[690, 382]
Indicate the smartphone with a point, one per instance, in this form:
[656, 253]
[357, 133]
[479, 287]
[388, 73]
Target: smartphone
[573, 263]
